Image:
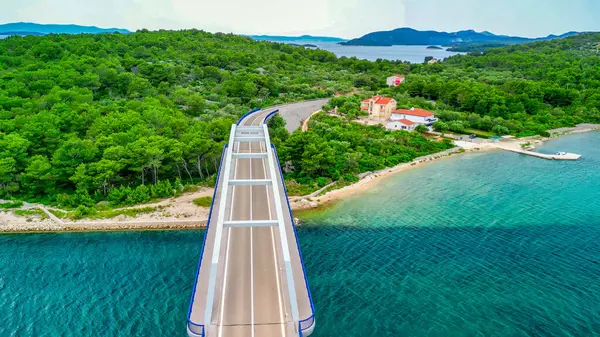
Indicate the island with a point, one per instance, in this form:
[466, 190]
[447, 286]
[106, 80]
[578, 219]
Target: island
[435, 48]
[409, 36]
[307, 45]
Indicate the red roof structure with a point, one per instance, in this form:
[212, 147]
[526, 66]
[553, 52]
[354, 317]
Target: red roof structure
[378, 100]
[383, 100]
[406, 122]
[414, 112]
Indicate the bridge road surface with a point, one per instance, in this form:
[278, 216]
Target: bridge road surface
[251, 295]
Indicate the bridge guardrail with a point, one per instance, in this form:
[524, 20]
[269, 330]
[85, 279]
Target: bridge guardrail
[196, 328]
[246, 115]
[270, 115]
[307, 323]
[193, 327]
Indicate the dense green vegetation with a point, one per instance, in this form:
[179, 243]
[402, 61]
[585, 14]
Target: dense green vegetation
[334, 148]
[474, 48]
[130, 118]
[521, 90]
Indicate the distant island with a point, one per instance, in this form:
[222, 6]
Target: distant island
[29, 28]
[474, 48]
[435, 47]
[302, 40]
[21, 33]
[307, 45]
[409, 36]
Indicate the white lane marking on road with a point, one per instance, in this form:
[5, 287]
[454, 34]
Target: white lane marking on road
[281, 308]
[229, 233]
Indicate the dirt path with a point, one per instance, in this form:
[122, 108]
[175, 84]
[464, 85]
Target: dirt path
[305, 122]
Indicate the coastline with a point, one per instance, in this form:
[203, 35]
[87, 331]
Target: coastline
[307, 204]
[181, 214]
[371, 179]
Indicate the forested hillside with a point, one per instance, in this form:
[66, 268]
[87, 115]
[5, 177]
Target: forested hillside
[128, 118]
[335, 149]
[521, 90]
[111, 116]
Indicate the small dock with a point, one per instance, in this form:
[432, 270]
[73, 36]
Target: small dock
[557, 156]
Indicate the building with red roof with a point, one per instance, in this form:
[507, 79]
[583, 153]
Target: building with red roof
[380, 108]
[401, 124]
[416, 116]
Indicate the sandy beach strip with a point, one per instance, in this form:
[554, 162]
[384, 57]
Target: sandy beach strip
[181, 213]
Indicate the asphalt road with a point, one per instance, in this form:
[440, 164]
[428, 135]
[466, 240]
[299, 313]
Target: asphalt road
[295, 113]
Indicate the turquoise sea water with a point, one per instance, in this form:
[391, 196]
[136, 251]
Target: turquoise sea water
[493, 244]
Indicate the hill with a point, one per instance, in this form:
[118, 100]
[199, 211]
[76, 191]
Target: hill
[118, 117]
[409, 36]
[29, 28]
[126, 118]
[304, 39]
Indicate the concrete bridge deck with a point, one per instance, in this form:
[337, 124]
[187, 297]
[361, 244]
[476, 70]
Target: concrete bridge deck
[251, 279]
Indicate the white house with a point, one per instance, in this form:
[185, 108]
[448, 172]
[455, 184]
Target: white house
[401, 124]
[395, 80]
[415, 115]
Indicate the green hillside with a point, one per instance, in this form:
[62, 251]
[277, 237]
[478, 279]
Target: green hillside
[86, 118]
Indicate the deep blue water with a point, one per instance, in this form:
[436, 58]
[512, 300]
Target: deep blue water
[494, 244]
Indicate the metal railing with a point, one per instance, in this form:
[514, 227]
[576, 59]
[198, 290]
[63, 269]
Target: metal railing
[246, 115]
[306, 323]
[198, 329]
[193, 327]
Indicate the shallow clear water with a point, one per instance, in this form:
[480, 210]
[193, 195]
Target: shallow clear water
[494, 244]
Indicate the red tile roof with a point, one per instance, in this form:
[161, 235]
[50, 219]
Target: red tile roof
[383, 100]
[406, 122]
[415, 112]
[379, 100]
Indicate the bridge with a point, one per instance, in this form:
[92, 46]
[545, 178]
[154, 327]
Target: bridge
[251, 279]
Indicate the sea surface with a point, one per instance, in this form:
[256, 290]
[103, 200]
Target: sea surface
[412, 54]
[481, 244]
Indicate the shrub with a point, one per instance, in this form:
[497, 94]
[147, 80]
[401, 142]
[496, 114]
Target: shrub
[352, 178]
[11, 204]
[422, 128]
[81, 198]
[501, 130]
[322, 181]
[203, 201]
[83, 212]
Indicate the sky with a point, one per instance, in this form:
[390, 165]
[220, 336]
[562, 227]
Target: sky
[341, 18]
